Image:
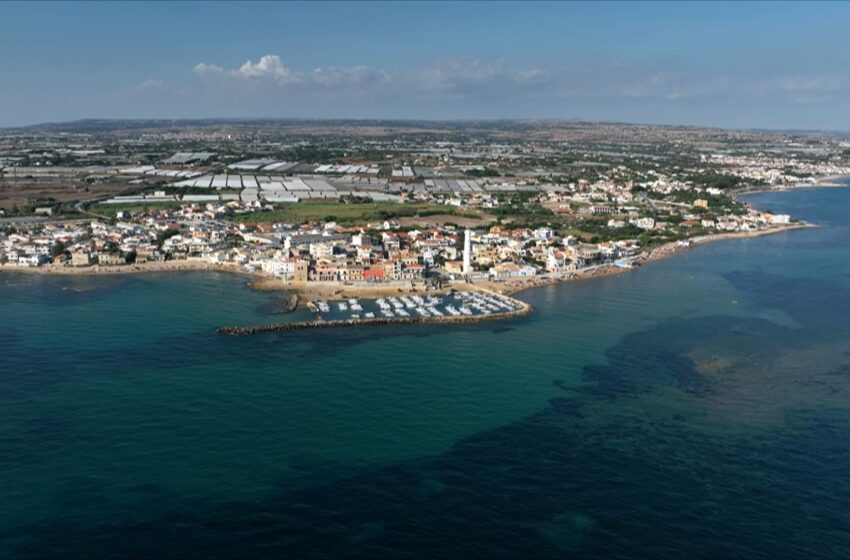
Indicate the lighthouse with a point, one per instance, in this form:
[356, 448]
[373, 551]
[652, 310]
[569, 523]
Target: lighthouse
[467, 252]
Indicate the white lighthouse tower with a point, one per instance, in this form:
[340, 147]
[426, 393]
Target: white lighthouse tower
[467, 252]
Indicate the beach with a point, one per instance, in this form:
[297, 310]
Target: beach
[135, 268]
[669, 249]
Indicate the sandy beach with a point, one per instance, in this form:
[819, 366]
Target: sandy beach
[820, 182]
[669, 249]
[147, 267]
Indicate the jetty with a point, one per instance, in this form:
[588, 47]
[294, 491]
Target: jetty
[521, 310]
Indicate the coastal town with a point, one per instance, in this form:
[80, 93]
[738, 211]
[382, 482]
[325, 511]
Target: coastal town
[393, 212]
[329, 252]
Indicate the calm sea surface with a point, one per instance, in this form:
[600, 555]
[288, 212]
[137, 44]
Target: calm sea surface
[696, 408]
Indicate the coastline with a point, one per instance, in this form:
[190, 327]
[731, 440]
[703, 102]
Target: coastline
[308, 291]
[832, 181]
[666, 251]
[140, 268]
[670, 249]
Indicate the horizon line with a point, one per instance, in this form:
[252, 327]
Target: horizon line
[413, 120]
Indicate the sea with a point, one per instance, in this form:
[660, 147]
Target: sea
[697, 407]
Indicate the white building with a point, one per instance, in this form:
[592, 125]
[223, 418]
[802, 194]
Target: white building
[467, 252]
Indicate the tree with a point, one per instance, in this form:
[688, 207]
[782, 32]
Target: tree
[57, 249]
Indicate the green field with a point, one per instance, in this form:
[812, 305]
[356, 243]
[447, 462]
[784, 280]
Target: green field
[358, 213]
[109, 210]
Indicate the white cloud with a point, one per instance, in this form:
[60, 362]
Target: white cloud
[350, 76]
[455, 76]
[499, 81]
[205, 70]
[467, 75]
[149, 85]
[268, 67]
[809, 83]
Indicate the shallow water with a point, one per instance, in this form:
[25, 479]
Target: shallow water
[695, 408]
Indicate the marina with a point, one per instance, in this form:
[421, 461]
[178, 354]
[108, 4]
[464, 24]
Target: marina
[455, 307]
[455, 304]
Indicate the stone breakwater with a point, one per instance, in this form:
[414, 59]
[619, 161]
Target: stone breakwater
[524, 309]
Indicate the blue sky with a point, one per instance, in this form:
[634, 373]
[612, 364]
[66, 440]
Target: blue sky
[740, 65]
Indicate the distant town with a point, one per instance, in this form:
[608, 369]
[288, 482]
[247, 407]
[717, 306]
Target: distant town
[387, 203]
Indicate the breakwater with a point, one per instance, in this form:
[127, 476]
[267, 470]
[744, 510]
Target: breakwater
[524, 309]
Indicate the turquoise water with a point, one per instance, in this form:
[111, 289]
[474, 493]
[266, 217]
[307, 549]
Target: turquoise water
[698, 407]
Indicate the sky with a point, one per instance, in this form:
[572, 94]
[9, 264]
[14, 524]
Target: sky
[735, 65]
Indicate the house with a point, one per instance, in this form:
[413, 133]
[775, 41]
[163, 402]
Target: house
[111, 259]
[454, 267]
[374, 274]
[643, 223]
[34, 260]
[351, 272]
[278, 267]
[512, 270]
[81, 258]
[392, 269]
[559, 261]
[413, 271]
[300, 271]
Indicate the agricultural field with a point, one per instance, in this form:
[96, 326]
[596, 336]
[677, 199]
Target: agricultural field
[109, 210]
[348, 214]
[23, 194]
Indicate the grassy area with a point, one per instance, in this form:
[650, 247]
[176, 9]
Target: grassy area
[109, 210]
[358, 213]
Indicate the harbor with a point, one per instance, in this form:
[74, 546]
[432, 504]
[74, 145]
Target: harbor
[455, 304]
[455, 307]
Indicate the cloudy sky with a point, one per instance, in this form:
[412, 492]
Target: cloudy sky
[780, 65]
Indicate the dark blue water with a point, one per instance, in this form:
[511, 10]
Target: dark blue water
[696, 408]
